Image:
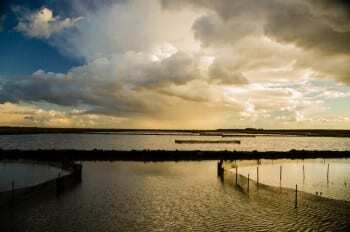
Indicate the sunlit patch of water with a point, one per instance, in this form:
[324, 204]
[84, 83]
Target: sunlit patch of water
[167, 142]
[169, 196]
[327, 178]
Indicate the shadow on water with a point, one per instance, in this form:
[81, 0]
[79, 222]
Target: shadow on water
[14, 201]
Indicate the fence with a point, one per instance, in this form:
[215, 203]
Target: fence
[56, 185]
[251, 187]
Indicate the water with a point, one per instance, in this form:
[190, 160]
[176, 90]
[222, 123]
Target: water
[178, 196]
[329, 178]
[169, 196]
[25, 174]
[166, 142]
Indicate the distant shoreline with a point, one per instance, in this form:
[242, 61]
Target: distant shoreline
[163, 155]
[218, 132]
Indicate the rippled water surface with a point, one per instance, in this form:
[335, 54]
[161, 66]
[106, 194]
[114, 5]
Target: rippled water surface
[166, 142]
[170, 196]
[329, 178]
[25, 174]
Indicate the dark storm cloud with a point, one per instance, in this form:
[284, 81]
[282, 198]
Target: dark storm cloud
[333, 4]
[322, 25]
[311, 26]
[211, 29]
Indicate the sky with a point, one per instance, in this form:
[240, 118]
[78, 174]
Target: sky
[175, 64]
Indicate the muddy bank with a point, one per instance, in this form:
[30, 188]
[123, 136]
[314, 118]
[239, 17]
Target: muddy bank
[163, 155]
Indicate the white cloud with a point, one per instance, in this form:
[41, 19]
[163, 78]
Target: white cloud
[43, 24]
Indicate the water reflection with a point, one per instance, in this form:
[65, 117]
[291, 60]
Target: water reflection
[24, 174]
[168, 196]
[167, 142]
[328, 178]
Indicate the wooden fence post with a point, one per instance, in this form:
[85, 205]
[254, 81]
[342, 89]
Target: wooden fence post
[236, 175]
[248, 184]
[327, 174]
[280, 176]
[296, 196]
[13, 192]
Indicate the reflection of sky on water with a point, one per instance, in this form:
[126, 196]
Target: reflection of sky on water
[169, 196]
[167, 142]
[310, 175]
[25, 174]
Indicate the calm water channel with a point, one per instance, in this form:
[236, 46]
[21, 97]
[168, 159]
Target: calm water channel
[167, 142]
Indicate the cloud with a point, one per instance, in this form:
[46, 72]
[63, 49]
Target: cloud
[211, 29]
[42, 23]
[34, 115]
[312, 27]
[119, 85]
[323, 25]
[140, 71]
[335, 13]
[89, 93]
[319, 29]
[224, 74]
[136, 26]
[206, 64]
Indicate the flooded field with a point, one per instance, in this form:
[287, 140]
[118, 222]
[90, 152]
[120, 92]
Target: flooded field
[169, 196]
